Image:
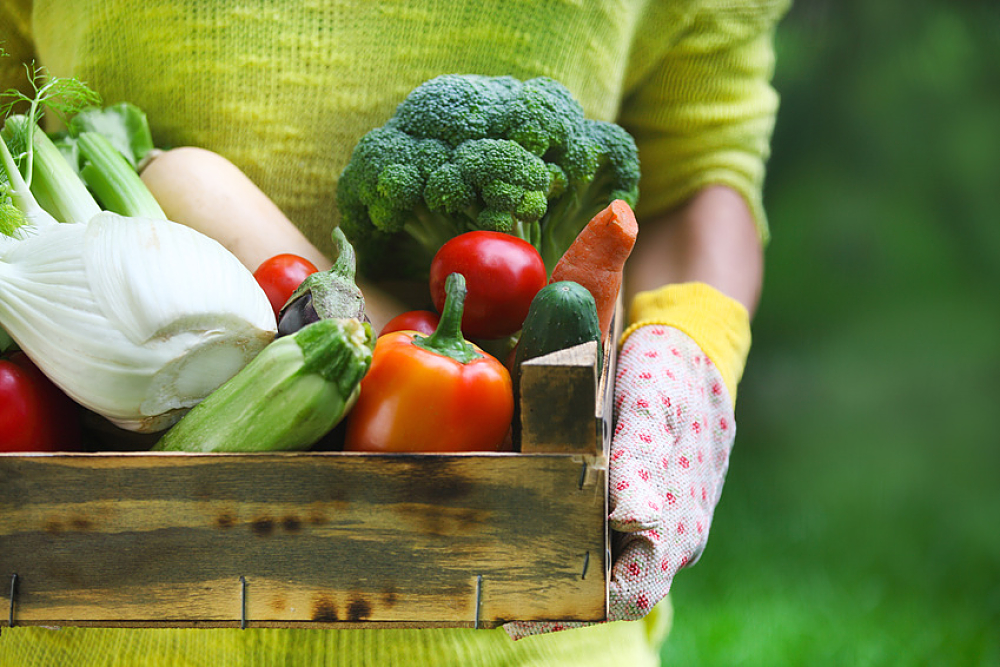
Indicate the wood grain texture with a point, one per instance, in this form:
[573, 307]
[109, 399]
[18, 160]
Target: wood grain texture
[559, 406]
[322, 539]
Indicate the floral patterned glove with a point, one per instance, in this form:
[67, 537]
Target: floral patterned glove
[674, 430]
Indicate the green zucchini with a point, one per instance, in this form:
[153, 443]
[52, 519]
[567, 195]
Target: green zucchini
[287, 398]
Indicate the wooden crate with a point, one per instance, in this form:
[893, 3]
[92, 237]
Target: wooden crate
[323, 539]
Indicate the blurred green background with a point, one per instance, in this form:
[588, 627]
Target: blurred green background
[860, 524]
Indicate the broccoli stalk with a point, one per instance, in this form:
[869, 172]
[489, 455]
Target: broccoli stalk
[471, 152]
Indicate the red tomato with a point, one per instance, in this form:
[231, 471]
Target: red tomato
[35, 415]
[278, 276]
[502, 272]
[423, 321]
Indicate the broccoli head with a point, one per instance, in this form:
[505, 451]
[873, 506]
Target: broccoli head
[465, 152]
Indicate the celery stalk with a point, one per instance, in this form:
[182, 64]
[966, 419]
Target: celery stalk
[123, 124]
[113, 180]
[25, 209]
[54, 184]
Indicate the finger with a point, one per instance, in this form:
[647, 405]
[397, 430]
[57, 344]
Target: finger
[641, 576]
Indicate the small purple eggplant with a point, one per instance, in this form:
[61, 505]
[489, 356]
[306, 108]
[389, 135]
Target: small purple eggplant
[331, 294]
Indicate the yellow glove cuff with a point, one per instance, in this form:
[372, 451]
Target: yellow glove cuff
[720, 325]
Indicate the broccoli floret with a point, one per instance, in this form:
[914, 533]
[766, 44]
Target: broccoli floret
[465, 152]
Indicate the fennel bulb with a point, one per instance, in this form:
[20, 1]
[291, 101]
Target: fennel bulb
[136, 318]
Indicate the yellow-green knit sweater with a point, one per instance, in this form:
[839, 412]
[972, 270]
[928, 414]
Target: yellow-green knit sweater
[285, 89]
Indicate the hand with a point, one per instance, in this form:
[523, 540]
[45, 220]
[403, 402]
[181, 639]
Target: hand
[674, 430]
[669, 455]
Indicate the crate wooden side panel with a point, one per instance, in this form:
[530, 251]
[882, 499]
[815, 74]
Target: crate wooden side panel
[320, 539]
[559, 402]
[566, 399]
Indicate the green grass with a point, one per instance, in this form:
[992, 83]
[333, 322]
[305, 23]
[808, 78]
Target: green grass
[860, 524]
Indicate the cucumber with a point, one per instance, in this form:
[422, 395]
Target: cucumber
[295, 391]
[562, 314]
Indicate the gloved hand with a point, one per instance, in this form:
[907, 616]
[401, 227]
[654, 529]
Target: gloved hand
[678, 367]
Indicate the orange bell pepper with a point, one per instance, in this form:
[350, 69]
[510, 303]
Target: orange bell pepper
[436, 393]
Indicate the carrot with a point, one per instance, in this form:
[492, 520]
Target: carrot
[596, 258]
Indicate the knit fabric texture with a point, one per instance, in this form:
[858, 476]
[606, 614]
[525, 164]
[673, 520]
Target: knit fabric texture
[634, 644]
[719, 324]
[285, 90]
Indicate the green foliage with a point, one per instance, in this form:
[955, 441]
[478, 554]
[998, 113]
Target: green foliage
[61, 96]
[467, 152]
[11, 218]
[858, 523]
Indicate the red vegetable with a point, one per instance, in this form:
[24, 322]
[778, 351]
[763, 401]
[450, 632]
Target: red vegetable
[596, 258]
[437, 393]
[278, 276]
[422, 321]
[35, 415]
[503, 273]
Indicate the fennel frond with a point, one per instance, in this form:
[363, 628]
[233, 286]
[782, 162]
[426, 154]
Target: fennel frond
[64, 96]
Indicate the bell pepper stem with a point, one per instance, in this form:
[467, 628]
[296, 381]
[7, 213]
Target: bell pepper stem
[447, 339]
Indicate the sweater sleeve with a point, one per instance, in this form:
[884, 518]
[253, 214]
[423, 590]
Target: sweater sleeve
[704, 110]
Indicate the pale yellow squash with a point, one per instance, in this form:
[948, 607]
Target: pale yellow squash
[203, 190]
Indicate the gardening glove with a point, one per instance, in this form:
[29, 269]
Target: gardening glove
[678, 366]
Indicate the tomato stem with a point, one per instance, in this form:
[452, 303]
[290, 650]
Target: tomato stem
[447, 339]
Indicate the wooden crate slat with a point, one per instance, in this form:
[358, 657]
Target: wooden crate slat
[321, 538]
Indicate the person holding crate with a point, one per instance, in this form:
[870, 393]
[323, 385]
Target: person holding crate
[286, 90]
